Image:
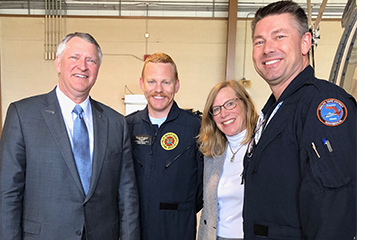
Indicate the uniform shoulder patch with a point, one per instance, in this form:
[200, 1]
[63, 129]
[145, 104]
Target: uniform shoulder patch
[331, 112]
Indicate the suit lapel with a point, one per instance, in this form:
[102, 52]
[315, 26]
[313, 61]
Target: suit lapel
[53, 117]
[100, 123]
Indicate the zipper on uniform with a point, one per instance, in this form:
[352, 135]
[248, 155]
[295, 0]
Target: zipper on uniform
[178, 156]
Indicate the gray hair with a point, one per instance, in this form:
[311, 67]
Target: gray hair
[85, 36]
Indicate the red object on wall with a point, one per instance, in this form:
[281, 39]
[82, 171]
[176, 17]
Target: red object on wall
[145, 57]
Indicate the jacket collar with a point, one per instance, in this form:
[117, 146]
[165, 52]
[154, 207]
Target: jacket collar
[304, 77]
[173, 114]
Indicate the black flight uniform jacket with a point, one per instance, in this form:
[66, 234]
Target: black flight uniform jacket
[300, 178]
[169, 169]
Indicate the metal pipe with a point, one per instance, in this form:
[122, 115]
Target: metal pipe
[59, 23]
[53, 28]
[45, 29]
[46, 26]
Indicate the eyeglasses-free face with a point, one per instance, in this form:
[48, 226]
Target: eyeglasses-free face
[78, 69]
[159, 86]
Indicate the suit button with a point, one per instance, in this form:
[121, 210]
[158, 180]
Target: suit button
[78, 233]
[205, 222]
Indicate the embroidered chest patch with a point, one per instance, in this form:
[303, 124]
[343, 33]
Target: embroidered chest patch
[169, 141]
[331, 112]
[142, 139]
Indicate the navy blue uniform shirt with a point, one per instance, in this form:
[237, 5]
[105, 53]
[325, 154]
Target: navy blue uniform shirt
[300, 178]
[169, 169]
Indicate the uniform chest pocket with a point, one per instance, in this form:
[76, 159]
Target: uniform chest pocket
[327, 166]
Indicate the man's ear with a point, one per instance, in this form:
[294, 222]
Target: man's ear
[306, 43]
[57, 63]
[177, 85]
[141, 83]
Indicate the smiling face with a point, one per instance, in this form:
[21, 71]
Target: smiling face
[279, 52]
[230, 122]
[77, 69]
[159, 86]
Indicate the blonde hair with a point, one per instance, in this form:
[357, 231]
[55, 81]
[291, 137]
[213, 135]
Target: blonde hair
[213, 141]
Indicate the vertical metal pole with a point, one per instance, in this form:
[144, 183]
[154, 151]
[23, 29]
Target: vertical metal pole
[59, 10]
[146, 34]
[46, 26]
[120, 8]
[213, 9]
[53, 27]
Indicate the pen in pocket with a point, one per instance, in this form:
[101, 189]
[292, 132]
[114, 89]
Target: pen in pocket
[315, 149]
[328, 144]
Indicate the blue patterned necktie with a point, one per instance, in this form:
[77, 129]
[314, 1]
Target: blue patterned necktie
[81, 148]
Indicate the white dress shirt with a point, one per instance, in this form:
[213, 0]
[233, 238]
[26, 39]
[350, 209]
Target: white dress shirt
[67, 106]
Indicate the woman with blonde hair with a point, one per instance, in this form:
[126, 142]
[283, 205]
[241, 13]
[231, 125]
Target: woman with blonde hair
[229, 118]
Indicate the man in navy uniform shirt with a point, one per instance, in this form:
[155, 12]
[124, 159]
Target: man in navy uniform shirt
[300, 168]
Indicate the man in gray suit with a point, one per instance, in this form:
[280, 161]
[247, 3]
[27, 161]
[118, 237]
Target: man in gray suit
[44, 193]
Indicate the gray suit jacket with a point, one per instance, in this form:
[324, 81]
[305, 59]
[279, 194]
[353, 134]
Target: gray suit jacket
[41, 193]
[213, 168]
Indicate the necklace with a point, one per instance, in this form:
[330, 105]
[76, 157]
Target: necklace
[234, 153]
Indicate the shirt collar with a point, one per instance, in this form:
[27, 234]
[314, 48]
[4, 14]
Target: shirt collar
[67, 105]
